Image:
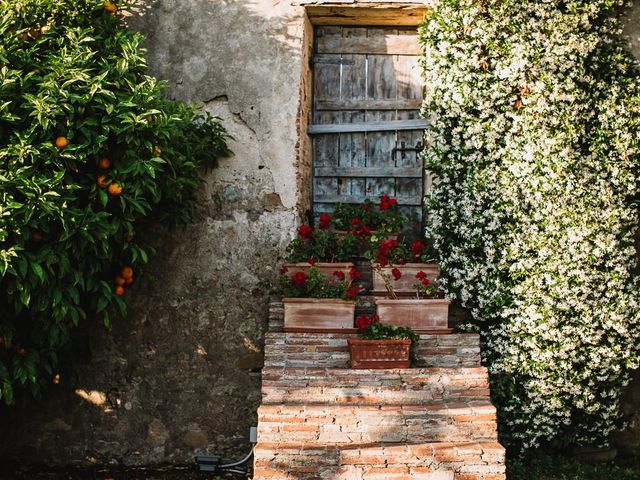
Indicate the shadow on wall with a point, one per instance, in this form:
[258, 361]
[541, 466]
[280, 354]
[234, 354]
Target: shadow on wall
[181, 373]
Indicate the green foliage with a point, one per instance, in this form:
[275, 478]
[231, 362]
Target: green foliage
[557, 467]
[383, 331]
[534, 112]
[313, 284]
[387, 251]
[384, 217]
[69, 69]
[324, 246]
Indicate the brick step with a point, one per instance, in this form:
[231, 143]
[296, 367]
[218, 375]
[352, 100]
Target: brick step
[425, 461]
[415, 386]
[330, 350]
[346, 424]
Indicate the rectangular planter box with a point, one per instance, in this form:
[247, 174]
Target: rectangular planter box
[380, 353]
[422, 315]
[404, 285]
[325, 268]
[318, 315]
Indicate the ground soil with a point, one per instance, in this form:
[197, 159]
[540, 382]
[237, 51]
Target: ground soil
[168, 472]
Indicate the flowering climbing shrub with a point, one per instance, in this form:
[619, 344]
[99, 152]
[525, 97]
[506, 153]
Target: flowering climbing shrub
[94, 162]
[535, 113]
[313, 284]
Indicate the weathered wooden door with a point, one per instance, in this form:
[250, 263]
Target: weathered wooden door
[366, 128]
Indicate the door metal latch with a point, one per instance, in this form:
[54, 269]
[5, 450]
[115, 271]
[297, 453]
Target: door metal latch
[403, 149]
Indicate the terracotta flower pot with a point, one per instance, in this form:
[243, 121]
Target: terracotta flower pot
[422, 315]
[404, 285]
[380, 353]
[318, 315]
[325, 268]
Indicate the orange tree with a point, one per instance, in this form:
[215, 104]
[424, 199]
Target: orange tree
[93, 157]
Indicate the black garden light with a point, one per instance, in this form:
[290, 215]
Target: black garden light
[211, 463]
[207, 463]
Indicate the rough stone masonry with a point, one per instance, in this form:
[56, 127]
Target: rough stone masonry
[181, 373]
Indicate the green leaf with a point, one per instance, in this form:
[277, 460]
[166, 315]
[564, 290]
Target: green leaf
[38, 271]
[104, 197]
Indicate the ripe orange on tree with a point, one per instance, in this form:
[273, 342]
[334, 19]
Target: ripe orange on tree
[102, 181]
[110, 7]
[104, 164]
[126, 272]
[196, 140]
[120, 281]
[61, 142]
[115, 189]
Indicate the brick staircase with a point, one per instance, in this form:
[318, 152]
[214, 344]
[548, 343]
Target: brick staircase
[321, 420]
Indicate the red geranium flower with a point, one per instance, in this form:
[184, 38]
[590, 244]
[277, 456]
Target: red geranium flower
[339, 274]
[355, 222]
[387, 202]
[283, 269]
[364, 231]
[386, 246]
[421, 275]
[382, 260]
[397, 274]
[425, 281]
[299, 279]
[312, 261]
[354, 274]
[352, 292]
[305, 231]
[417, 247]
[362, 321]
[325, 221]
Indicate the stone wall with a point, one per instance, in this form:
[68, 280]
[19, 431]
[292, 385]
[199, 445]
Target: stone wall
[181, 373]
